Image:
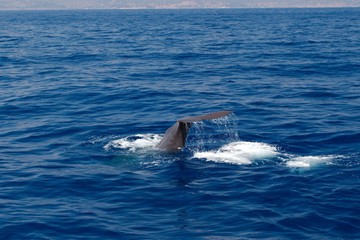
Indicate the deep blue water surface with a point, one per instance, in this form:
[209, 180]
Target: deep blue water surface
[86, 95]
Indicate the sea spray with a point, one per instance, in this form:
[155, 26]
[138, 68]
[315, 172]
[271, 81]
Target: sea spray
[228, 126]
[213, 134]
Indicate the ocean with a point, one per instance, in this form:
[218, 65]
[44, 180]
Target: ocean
[85, 97]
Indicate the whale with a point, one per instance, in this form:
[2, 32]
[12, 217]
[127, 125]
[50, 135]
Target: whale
[175, 137]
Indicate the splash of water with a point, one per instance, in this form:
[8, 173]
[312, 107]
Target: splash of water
[309, 161]
[231, 150]
[228, 126]
[239, 153]
[218, 141]
[135, 142]
[213, 133]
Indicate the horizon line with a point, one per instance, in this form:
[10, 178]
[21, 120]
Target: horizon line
[173, 8]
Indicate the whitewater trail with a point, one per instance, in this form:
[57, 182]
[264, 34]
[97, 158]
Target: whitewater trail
[237, 153]
[218, 141]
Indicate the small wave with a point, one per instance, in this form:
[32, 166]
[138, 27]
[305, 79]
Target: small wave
[135, 142]
[309, 161]
[239, 153]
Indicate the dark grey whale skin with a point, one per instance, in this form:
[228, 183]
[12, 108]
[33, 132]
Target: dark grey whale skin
[175, 137]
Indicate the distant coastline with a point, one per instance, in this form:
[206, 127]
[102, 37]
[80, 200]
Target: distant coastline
[171, 4]
[173, 8]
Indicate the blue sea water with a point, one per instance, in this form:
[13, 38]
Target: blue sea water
[85, 96]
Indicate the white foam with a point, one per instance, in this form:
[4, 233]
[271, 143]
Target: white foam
[136, 142]
[308, 161]
[239, 153]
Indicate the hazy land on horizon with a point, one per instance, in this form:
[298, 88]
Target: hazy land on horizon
[170, 4]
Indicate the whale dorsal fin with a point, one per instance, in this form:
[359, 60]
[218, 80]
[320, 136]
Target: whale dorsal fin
[175, 137]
